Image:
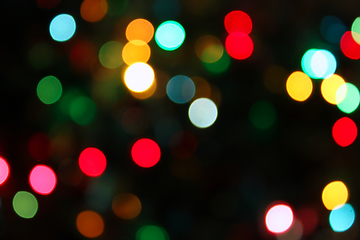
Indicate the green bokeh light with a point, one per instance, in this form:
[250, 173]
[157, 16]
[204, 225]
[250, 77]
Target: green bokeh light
[151, 232]
[110, 54]
[170, 35]
[49, 89]
[82, 110]
[262, 114]
[219, 66]
[355, 30]
[351, 101]
[25, 204]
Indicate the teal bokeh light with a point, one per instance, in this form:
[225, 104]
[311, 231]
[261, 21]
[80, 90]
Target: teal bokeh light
[62, 27]
[342, 217]
[180, 89]
[351, 100]
[170, 35]
[318, 63]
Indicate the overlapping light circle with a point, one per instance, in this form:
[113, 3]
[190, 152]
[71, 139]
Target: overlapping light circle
[342, 217]
[139, 77]
[329, 88]
[334, 194]
[180, 89]
[318, 63]
[348, 98]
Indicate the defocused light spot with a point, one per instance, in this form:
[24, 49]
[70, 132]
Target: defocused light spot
[25, 204]
[238, 21]
[180, 89]
[166, 9]
[62, 27]
[93, 10]
[110, 54]
[334, 194]
[145, 152]
[342, 217]
[49, 89]
[348, 98]
[42, 179]
[299, 86]
[183, 145]
[170, 35]
[116, 8]
[150, 232]
[82, 55]
[92, 162]
[47, 4]
[82, 110]
[323, 64]
[202, 87]
[203, 112]
[209, 49]
[332, 29]
[139, 77]
[90, 224]
[41, 55]
[139, 29]
[126, 206]
[279, 218]
[306, 62]
[147, 93]
[295, 232]
[136, 51]
[355, 30]
[262, 114]
[309, 219]
[344, 131]
[219, 66]
[40, 147]
[349, 47]
[274, 79]
[330, 86]
[4, 170]
[239, 45]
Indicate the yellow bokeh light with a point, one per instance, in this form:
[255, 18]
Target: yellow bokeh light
[136, 51]
[330, 86]
[139, 29]
[299, 86]
[209, 49]
[93, 10]
[139, 77]
[334, 194]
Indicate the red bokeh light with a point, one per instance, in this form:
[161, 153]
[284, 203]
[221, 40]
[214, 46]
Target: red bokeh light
[40, 147]
[42, 179]
[145, 152]
[349, 47]
[309, 220]
[238, 21]
[92, 162]
[48, 4]
[239, 45]
[82, 55]
[4, 170]
[344, 131]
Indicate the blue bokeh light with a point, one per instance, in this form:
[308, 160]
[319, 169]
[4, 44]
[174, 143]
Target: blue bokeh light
[62, 27]
[180, 89]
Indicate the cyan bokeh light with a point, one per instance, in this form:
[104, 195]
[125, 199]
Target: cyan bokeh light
[62, 27]
[180, 89]
[170, 35]
[342, 217]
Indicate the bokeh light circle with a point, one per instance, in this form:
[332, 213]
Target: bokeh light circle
[49, 89]
[342, 217]
[110, 54]
[90, 224]
[145, 152]
[355, 30]
[42, 179]
[203, 112]
[62, 27]
[4, 170]
[25, 204]
[150, 232]
[180, 89]
[334, 194]
[239, 45]
[279, 218]
[299, 86]
[329, 87]
[93, 10]
[126, 206]
[139, 29]
[349, 47]
[318, 63]
[348, 98]
[209, 49]
[170, 35]
[92, 162]
[139, 77]
[82, 110]
[136, 51]
[238, 21]
[332, 29]
[344, 131]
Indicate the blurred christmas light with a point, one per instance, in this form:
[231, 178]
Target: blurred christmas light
[93, 10]
[347, 97]
[299, 86]
[4, 170]
[42, 179]
[219, 66]
[110, 54]
[25, 204]
[180, 89]
[90, 224]
[334, 194]
[203, 112]
[149, 232]
[318, 63]
[145, 152]
[355, 30]
[170, 35]
[349, 47]
[49, 89]
[239, 45]
[139, 77]
[329, 88]
[139, 29]
[209, 49]
[295, 232]
[136, 51]
[332, 29]
[279, 218]
[92, 162]
[126, 206]
[62, 27]
[82, 110]
[238, 21]
[342, 217]
[344, 131]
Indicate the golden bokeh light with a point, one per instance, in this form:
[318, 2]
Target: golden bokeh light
[330, 86]
[299, 86]
[334, 194]
[139, 29]
[90, 224]
[93, 10]
[136, 51]
[139, 77]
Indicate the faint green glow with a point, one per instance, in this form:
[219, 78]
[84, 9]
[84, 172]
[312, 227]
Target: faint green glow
[62, 27]
[342, 217]
[116, 8]
[219, 66]
[151, 232]
[49, 89]
[82, 110]
[262, 114]
[25, 204]
[170, 35]
[41, 55]
[355, 30]
[203, 112]
[351, 101]
[110, 54]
